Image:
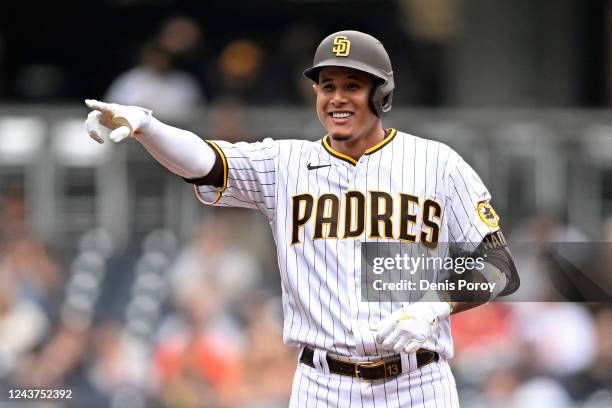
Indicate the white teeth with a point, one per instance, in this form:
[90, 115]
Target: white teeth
[341, 114]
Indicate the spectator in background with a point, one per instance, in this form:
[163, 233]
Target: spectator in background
[59, 358]
[238, 70]
[182, 38]
[294, 52]
[237, 75]
[541, 392]
[430, 28]
[227, 121]
[216, 257]
[115, 361]
[594, 384]
[269, 366]
[23, 325]
[197, 361]
[23, 258]
[472, 338]
[156, 84]
[546, 348]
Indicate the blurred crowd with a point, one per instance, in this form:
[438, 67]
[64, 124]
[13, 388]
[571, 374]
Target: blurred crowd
[446, 52]
[199, 324]
[177, 63]
[177, 70]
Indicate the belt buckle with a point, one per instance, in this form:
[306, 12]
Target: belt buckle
[432, 356]
[367, 364]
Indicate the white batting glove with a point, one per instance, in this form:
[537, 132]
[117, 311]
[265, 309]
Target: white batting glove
[406, 329]
[113, 121]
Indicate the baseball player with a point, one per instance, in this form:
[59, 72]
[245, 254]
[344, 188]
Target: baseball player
[360, 183]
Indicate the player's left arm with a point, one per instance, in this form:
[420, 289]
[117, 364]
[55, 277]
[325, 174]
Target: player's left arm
[498, 272]
[476, 229]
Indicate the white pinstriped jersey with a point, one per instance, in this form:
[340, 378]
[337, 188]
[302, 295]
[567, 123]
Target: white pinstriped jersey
[320, 264]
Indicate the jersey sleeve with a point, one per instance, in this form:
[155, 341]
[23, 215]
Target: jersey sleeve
[471, 216]
[247, 176]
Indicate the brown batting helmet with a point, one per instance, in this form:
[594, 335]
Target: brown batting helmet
[360, 51]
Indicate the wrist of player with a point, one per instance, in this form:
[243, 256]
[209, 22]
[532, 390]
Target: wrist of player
[137, 119]
[495, 278]
[437, 302]
[429, 310]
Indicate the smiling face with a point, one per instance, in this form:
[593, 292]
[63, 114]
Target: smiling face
[343, 104]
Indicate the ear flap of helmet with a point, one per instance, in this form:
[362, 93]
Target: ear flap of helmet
[381, 98]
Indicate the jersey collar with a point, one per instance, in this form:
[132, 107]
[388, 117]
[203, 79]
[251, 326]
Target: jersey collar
[373, 149]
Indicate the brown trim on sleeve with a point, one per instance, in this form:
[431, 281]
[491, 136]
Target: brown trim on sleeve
[217, 176]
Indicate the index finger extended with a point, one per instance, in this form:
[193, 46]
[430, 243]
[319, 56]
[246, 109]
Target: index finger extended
[99, 106]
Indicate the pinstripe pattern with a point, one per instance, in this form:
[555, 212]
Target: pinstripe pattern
[320, 278]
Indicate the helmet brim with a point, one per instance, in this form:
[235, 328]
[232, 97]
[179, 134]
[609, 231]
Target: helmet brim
[313, 72]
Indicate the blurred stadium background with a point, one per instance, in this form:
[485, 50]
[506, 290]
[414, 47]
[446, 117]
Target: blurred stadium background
[117, 284]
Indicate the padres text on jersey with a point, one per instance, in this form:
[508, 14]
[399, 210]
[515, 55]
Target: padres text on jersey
[348, 215]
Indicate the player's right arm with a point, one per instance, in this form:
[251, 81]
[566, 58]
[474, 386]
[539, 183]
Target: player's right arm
[180, 151]
[226, 174]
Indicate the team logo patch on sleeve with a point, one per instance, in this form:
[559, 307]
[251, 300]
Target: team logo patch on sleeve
[487, 214]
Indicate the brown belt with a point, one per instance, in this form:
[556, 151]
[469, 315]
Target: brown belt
[370, 370]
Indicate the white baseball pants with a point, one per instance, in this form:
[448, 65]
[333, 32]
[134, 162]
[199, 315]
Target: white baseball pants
[431, 386]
